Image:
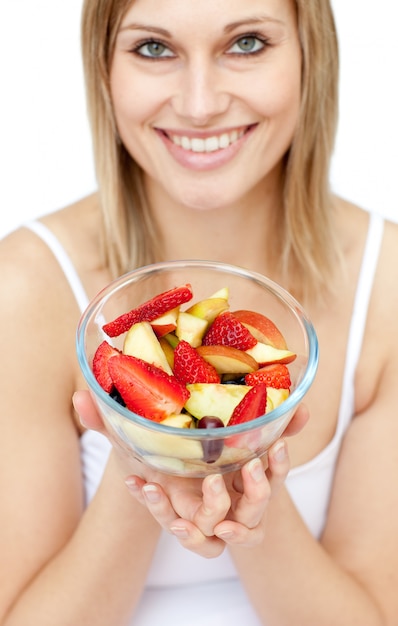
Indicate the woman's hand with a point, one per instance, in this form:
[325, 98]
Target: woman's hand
[206, 515]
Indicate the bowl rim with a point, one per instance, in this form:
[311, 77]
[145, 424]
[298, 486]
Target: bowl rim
[132, 276]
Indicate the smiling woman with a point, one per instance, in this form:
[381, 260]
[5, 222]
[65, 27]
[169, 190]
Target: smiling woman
[213, 127]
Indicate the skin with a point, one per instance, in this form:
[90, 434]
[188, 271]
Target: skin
[66, 564]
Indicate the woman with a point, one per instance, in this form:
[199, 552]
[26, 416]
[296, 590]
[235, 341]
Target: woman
[213, 125]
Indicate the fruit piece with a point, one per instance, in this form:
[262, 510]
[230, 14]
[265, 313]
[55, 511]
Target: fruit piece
[209, 309]
[262, 328]
[214, 399]
[190, 367]
[190, 328]
[146, 389]
[168, 351]
[265, 354]
[228, 360]
[252, 405]
[275, 375]
[150, 310]
[181, 420]
[275, 397]
[212, 448]
[101, 358]
[227, 330]
[142, 342]
[221, 293]
[166, 323]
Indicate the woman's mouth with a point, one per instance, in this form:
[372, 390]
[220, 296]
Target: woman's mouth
[205, 151]
[208, 144]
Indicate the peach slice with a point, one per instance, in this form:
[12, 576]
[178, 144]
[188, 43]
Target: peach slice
[228, 360]
[265, 354]
[262, 328]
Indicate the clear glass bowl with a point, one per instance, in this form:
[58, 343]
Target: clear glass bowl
[183, 451]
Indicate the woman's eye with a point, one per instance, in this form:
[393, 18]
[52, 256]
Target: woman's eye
[248, 44]
[153, 50]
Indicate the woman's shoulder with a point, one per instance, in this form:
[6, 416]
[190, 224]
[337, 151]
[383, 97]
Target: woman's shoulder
[27, 262]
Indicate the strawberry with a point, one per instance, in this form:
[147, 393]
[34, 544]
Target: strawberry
[252, 405]
[102, 355]
[190, 367]
[146, 389]
[275, 375]
[227, 330]
[150, 310]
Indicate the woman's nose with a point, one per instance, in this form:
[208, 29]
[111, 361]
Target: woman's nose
[201, 95]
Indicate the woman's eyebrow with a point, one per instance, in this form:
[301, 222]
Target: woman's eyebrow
[227, 29]
[151, 29]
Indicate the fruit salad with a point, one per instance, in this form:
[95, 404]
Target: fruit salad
[194, 364]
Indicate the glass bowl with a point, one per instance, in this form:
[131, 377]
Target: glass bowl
[197, 452]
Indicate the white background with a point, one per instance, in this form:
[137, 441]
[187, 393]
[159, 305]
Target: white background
[45, 148]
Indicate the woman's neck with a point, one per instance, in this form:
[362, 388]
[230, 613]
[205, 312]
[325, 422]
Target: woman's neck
[233, 234]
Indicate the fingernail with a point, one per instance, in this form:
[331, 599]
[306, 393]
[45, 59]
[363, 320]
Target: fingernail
[225, 534]
[151, 493]
[180, 532]
[256, 470]
[279, 451]
[132, 484]
[216, 483]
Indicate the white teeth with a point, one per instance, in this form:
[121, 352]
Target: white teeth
[210, 144]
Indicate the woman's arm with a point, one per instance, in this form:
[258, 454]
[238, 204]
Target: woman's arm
[60, 564]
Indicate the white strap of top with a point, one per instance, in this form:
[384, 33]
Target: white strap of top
[63, 259]
[359, 316]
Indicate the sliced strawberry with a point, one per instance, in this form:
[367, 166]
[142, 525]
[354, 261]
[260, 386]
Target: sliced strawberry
[150, 310]
[227, 330]
[146, 389]
[252, 405]
[101, 358]
[275, 375]
[190, 367]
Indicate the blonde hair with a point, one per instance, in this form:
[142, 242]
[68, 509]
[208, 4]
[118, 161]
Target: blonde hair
[307, 249]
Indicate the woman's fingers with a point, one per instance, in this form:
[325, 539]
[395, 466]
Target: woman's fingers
[87, 411]
[214, 506]
[187, 533]
[249, 508]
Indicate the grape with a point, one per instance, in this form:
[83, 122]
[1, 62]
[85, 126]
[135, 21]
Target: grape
[212, 448]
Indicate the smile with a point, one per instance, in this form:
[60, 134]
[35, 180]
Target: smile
[207, 144]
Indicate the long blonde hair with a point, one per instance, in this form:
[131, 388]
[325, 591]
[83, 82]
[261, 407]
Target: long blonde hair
[305, 246]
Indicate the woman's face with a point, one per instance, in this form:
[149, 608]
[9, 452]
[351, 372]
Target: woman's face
[206, 94]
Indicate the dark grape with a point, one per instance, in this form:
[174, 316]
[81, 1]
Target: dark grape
[234, 381]
[115, 395]
[212, 448]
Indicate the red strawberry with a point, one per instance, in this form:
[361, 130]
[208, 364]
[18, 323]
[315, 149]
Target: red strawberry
[190, 367]
[102, 355]
[227, 330]
[252, 405]
[150, 310]
[146, 389]
[275, 375]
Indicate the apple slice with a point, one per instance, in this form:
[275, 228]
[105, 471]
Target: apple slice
[180, 420]
[228, 360]
[168, 351]
[264, 354]
[214, 399]
[166, 323]
[190, 328]
[141, 342]
[276, 397]
[209, 309]
[262, 328]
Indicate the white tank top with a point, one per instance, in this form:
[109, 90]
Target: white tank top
[183, 588]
